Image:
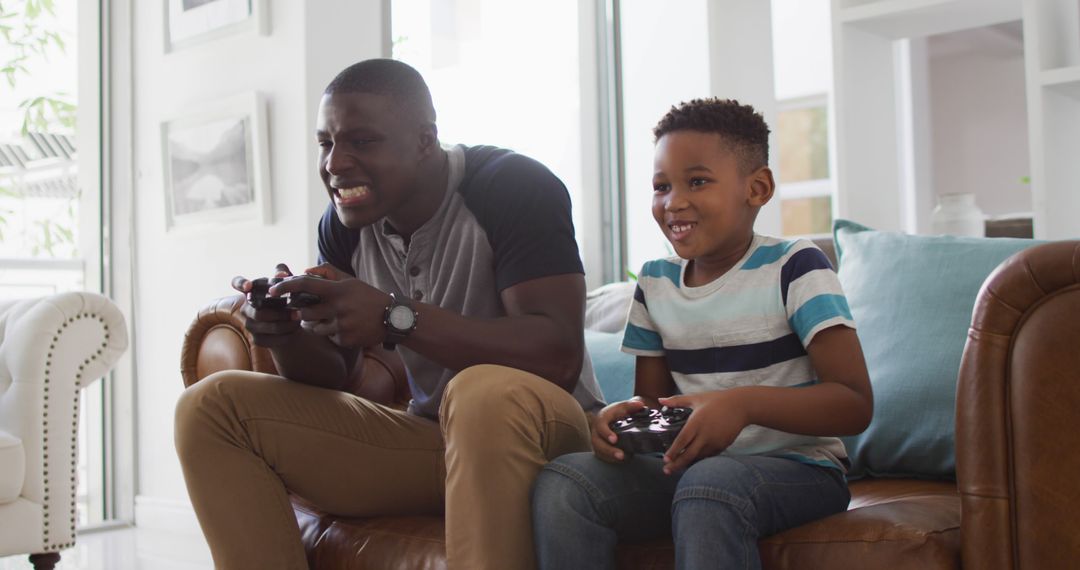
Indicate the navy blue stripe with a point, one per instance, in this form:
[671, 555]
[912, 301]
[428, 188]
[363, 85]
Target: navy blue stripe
[800, 263]
[735, 358]
[639, 296]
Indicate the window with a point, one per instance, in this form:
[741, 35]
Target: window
[802, 70]
[50, 216]
[657, 73]
[504, 73]
[805, 186]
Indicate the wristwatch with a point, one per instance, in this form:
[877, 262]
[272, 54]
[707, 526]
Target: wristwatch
[399, 319]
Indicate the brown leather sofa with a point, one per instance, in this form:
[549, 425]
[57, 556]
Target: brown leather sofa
[1013, 505]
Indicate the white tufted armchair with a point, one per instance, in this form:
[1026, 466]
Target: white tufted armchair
[49, 348]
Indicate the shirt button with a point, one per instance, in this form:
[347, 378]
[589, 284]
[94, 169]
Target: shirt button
[418, 295]
[414, 271]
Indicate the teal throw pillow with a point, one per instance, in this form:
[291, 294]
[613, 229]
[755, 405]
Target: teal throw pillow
[911, 298]
[614, 368]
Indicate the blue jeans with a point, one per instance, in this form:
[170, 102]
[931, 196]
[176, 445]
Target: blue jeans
[716, 510]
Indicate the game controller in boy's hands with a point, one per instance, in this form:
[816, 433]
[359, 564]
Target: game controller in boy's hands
[259, 298]
[649, 430]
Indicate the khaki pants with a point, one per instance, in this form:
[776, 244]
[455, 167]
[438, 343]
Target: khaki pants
[245, 439]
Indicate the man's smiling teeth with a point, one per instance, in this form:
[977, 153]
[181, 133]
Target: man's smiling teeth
[348, 193]
[679, 228]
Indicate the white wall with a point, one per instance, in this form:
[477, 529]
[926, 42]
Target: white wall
[178, 272]
[979, 120]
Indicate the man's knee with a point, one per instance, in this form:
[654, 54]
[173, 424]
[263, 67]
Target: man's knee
[488, 389]
[201, 406]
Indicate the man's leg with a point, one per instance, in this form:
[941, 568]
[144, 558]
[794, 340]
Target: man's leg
[500, 425]
[244, 438]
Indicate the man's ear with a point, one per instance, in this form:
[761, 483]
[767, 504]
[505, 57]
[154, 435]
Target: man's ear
[761, 186]
[429, 139]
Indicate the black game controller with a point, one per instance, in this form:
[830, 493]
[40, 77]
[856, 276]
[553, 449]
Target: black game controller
[258, 296]
[649, 430]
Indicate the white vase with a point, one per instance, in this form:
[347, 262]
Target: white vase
[958, 215]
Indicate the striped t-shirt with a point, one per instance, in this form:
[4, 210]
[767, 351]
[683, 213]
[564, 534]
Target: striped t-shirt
[749, 327]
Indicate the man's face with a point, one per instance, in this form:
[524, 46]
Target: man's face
[369, 154]
[701, 201]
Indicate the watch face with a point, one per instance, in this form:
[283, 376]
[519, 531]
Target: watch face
[402, 318]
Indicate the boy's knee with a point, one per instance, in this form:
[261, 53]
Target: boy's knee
[559, 486]
[723, 479]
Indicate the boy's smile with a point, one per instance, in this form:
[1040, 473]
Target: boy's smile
[702, 201]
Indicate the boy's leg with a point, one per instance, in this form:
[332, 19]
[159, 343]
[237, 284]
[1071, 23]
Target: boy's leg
[583, 507]
[723, 505]
[243, 438]
[500, 425]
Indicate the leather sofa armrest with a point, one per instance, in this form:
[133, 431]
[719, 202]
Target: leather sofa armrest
[1018, 408]
[216, 340]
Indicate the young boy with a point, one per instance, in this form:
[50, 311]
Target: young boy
[751, 332]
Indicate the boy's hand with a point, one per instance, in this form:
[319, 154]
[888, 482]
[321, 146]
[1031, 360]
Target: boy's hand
[717, 420]
[603, 439]
[268, 326]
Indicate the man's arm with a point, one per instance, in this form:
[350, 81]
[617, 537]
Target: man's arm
[541, 332]
[312, 359]
[298, 354]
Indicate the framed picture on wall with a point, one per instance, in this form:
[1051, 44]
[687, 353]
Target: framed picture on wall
[192, 21]
[214, 162]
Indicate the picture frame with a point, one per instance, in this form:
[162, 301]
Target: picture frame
[188, 22]
[215, 164]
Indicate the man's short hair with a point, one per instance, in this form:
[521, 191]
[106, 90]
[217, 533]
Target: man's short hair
[403, 84]
[740, 126]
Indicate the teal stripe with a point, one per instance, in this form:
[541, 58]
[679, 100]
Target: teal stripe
[662, 268]
[807, 460]
[767, 254]
[816, 311]
[641, 339]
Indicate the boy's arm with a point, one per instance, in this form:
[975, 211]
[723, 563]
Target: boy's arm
[840, 404]
[652, 381]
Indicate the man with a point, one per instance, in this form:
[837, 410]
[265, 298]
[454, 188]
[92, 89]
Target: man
[463, 259]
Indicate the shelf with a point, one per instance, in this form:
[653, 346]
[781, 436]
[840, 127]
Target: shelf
[900, 19]
[1064, 80]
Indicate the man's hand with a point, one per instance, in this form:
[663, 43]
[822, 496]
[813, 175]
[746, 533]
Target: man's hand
[327, 271]
[717, 420]
[269, 327]
[603, 439]
[350, 311]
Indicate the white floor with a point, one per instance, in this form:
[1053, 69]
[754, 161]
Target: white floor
[128, 549]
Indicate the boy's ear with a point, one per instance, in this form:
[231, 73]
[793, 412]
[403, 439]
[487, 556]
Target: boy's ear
[762, 186]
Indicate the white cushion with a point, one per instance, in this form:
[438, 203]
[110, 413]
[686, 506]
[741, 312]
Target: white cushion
[12, 467]
[606, 307]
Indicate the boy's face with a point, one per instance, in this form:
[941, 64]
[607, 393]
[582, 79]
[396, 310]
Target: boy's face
[369, 154]
[705, 206]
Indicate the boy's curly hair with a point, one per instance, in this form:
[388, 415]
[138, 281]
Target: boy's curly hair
[742, 127]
